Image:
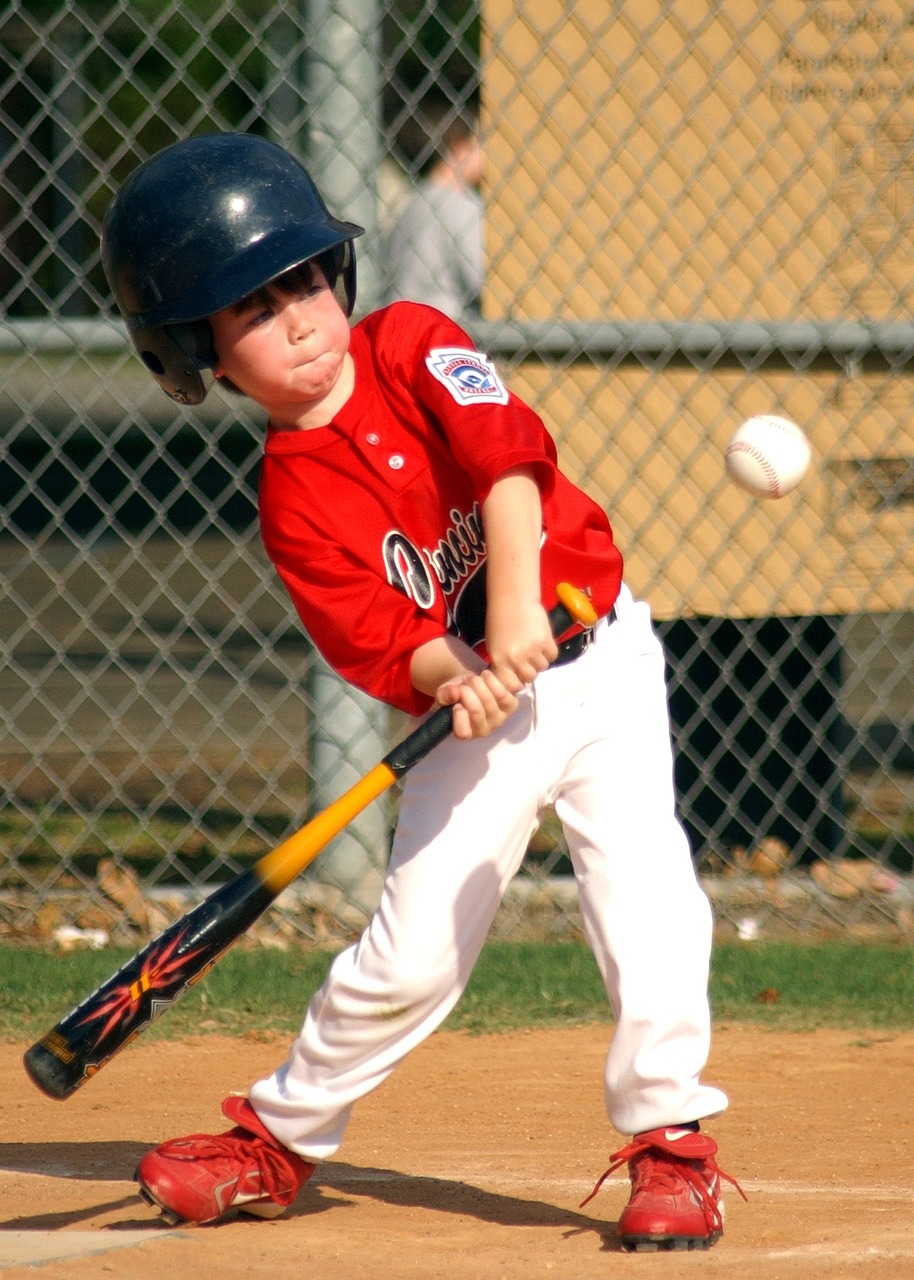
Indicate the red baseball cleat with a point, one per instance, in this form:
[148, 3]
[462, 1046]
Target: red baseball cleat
[675, 1201]
[203, 1177]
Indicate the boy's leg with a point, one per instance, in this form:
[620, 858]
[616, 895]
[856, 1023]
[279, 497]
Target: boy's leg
[466, 816]
[649, 924]
[644, 913]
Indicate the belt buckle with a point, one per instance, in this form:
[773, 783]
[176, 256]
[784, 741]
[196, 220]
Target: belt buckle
[572, 648]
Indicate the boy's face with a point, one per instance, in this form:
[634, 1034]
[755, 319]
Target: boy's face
[285, 345]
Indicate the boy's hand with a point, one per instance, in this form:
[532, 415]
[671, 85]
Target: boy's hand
[520, 642]
[481, 703]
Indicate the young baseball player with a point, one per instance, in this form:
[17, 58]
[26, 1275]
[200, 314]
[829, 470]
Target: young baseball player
[414, 508]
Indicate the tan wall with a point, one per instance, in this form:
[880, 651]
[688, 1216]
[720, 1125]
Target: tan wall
[662, 162]
[649, 447]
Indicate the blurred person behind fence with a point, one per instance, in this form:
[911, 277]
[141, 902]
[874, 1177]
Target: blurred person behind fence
[434, 247]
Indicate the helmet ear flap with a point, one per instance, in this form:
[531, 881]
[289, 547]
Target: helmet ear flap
[338, 265]
[347, 274]
[195, 337]
[179, 356]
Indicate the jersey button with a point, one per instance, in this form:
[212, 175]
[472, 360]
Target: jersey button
[373, 438]
[396, 461]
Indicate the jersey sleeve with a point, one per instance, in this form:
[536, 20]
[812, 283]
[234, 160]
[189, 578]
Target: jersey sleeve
[362, 626]
[487, 427]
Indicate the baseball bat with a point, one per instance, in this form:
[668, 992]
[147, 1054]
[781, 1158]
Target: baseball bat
[122, 1007]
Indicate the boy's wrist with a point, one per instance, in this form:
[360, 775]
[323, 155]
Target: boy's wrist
[440, 661]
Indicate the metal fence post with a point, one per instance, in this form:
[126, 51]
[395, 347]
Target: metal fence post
[347, 735]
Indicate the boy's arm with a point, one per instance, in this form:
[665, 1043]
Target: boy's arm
[518, 636]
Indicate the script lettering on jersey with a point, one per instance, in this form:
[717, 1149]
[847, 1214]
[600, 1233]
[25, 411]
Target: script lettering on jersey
[459, 551]
[406, 570]
[451, 562]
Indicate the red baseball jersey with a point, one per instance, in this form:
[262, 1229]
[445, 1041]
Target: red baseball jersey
[374, 522]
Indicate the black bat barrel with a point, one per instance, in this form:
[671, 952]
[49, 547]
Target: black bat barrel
[148, 984]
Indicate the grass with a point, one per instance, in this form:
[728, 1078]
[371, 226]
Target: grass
[834, 984]
[774, 984]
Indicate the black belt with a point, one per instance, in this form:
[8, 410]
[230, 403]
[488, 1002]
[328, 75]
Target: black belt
[571, 649]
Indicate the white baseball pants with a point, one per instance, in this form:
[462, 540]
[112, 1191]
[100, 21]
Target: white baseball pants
[591, 738]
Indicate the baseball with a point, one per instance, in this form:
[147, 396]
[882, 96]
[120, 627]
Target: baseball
[767, 456]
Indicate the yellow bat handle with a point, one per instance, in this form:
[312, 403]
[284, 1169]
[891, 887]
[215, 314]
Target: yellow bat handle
[281, 865]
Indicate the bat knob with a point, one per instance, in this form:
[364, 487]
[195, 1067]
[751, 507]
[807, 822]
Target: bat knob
[577, 603]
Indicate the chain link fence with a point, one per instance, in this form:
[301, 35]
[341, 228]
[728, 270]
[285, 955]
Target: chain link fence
[693, 212]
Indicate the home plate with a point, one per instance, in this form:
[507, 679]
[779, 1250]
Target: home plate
[26, 1247]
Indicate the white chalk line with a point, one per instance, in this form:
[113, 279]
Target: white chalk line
[329, 1174]
[58, 1171]
[36, 1247]
[858, 1191]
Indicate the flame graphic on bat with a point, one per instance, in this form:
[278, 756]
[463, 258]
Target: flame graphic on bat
[159, 973]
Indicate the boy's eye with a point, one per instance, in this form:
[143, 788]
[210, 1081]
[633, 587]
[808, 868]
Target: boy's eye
[306, 290]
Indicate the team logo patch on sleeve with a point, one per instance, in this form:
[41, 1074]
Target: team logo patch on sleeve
[468, 375]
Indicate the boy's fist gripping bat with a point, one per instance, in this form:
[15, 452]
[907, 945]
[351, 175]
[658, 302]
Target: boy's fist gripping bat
[116, 1013]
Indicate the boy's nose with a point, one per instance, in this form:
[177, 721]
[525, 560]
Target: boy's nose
[298, 320]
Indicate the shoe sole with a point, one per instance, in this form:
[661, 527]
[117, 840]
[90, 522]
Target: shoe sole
[171, 1218]
[267, 1209]
[668, 1244]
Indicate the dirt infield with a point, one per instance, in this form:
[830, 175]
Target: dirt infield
[470, 1164]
